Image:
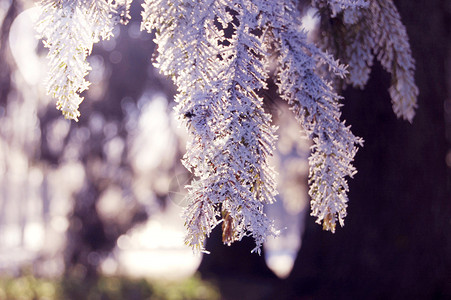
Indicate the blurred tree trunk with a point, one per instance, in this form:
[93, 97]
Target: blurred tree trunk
[396, 241]
[5, 58]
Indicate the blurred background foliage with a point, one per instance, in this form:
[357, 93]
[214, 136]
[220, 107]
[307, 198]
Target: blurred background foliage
[88, 204]
[105, 288]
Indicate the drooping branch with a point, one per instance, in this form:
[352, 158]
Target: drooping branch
[317, 108]
[69, 29]
[357, 36]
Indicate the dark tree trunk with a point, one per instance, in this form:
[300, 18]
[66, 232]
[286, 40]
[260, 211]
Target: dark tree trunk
[238, 273]
[5, 55]
[396, 241]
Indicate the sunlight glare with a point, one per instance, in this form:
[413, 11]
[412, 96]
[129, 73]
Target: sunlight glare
[23, 44]
[310, 20]
[59, 224]
[155, 249]
[155, 142]
[34, 235]
[281, 263]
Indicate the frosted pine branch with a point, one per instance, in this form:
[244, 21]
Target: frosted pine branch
[316, 107]
[69, 29]
[338, 6]
[186, 53]
[352, 43]
[230, 134]
[218, 53]
[375, 30]
[121, 13]
[251, 139]
[393, 51]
